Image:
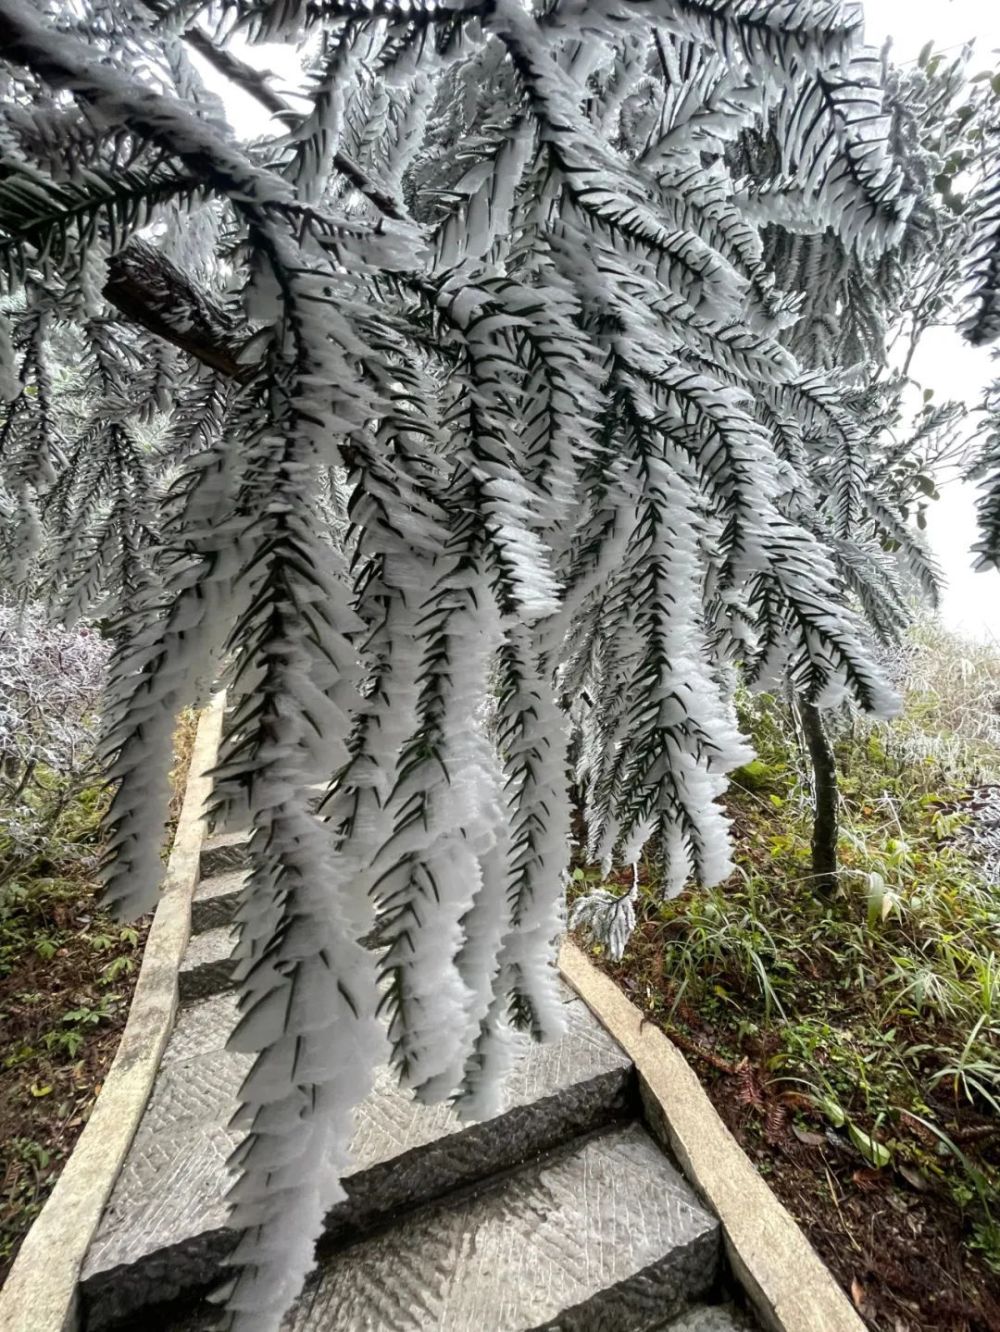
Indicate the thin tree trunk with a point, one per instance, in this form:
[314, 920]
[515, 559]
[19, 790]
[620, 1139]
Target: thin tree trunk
[824, 766]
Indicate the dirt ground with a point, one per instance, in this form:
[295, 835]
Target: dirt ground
[61, 1017]
[896, 1241]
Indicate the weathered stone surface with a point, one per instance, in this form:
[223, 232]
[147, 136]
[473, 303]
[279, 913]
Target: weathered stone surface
[604, 1234]
[163, 1231]
[207, 966]
[203, 1029]
[782, 1275]
[216, 899]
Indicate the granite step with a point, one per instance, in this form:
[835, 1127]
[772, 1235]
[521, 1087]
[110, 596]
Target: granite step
[215, 899]
[603, 1235]
[163, 1236]
[224, 851]
[208, 964]
[711, 1318]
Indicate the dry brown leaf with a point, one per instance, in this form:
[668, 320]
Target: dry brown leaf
[749, 1091]
[797, 1100]
[868, 1180]
[809, 1138]
[776, 1121]
[858, 1294]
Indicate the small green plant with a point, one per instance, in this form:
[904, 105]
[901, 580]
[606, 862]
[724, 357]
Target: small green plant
[69, 1037]
[120, 966]
[87, 1015]
[67, 1041]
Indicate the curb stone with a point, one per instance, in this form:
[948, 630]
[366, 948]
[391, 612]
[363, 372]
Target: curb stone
[40, 1293]
[788, 1285]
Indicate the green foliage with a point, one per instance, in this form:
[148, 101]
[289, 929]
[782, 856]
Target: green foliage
[72, 1034]
[49, 918]
[754, 776]
[26, 1161]
[63, 964]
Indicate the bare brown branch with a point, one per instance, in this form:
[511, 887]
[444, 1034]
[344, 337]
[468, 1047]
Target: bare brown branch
[148, 289]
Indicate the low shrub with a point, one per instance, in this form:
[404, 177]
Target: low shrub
[50, 684]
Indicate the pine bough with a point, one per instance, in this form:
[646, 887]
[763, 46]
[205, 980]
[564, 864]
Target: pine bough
[461, 431]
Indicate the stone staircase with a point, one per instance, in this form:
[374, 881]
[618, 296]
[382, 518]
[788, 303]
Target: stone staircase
[562, 1212]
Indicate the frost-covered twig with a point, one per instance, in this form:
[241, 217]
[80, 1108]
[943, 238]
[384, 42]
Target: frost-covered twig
[608, 917]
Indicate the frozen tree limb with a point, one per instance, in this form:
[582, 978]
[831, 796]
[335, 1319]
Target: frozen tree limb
[64, 62]
[255, 84]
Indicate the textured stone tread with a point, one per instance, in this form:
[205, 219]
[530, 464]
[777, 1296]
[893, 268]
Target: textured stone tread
[603, 1235]
[216, 899]
[208, 965]
[163, 1226]
[203, 1028]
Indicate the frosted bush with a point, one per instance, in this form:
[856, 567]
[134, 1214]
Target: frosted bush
[50, 685]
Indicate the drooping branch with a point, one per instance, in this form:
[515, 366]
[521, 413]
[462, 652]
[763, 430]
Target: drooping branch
[254, 83]
[143, 285]
[64, 62]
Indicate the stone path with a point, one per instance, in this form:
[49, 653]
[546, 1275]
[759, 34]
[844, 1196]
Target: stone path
[562, 1212]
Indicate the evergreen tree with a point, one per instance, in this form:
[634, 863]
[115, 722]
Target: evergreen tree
[860, 310]
[982, 325]
[470, 408]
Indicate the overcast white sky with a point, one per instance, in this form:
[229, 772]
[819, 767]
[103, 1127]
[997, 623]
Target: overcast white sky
[943, 362]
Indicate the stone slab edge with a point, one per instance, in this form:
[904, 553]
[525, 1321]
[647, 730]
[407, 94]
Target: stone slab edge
[784, 1278]
[40, 1293]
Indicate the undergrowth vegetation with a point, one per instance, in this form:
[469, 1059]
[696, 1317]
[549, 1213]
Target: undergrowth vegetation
[66, 968]
[853, 1041]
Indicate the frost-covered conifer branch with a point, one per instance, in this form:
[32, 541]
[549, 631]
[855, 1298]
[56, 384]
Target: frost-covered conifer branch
[843, 158]
[469, 434]
[65, 62]
[983, 325]
[253, 82]
[50, 220]
[148, 289]
[986, 470]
